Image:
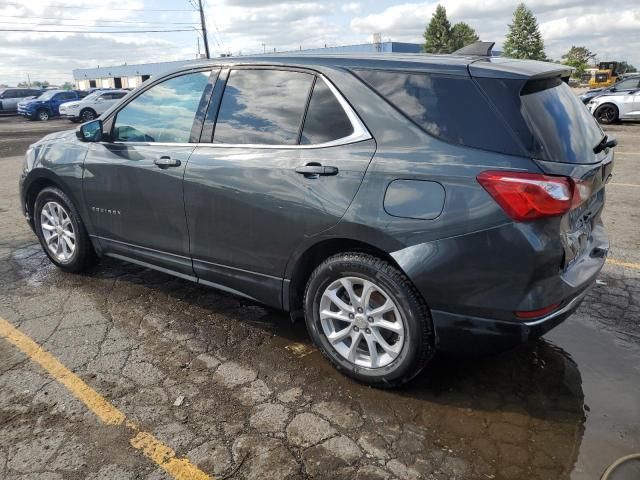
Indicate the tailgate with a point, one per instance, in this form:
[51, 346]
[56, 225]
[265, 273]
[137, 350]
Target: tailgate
[577, 225]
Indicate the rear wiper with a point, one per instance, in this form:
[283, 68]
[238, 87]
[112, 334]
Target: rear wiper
[605, 143]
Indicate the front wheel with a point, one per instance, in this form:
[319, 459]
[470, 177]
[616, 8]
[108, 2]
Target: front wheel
[61, 231]
[368, 319]
[87, 115]
[42, 115]
[606, 114]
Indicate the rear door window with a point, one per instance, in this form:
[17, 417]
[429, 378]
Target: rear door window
[263, 107]
[326, 120]
[450, 108]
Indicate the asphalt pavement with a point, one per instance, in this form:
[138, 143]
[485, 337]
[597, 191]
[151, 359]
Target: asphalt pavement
[145, 376]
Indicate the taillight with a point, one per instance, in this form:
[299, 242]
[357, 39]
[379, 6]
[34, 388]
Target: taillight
[529, 196]
[529, 314]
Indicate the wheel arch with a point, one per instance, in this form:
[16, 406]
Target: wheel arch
[306, 262]
[608, 104]
[87, 108]
[38, 180]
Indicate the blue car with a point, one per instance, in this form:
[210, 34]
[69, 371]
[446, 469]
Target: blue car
[47, 105]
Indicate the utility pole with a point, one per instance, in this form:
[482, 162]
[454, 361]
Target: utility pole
[204, 29]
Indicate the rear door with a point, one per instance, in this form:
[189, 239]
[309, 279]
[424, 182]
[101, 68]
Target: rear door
[264, 178]
[60, 98]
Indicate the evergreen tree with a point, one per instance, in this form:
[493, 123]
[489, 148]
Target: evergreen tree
[461, 36]
[524, 39]
[437, 35]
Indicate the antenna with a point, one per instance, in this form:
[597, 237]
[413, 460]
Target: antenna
[480, 49]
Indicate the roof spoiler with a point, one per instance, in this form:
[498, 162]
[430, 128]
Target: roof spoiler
[480, 49]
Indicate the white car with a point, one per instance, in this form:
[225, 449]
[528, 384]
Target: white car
[611, 107]
[91, 106]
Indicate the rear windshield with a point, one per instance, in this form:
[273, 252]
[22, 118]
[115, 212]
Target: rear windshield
[559, 121]
[546, 117]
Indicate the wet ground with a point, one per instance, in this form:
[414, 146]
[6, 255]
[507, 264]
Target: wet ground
[241, 393]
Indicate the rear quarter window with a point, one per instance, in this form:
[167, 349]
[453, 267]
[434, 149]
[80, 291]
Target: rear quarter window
[450, 108]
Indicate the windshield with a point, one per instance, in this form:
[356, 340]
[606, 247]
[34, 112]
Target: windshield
[93, 95]
[47, 95]
[563, 128]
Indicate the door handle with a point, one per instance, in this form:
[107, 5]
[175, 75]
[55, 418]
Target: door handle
[315, 170]
[165, 162]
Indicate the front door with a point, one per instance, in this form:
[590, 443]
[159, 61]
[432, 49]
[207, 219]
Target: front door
[133, 183]
[269, 178]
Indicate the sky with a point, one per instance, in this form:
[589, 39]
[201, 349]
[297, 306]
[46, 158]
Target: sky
[609, 28]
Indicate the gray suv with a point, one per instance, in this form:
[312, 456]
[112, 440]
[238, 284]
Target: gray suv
[10, 97]
[401, 204]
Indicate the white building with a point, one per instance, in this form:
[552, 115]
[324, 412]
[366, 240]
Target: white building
[122, 76]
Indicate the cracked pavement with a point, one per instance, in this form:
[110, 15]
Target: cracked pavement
[240, 391]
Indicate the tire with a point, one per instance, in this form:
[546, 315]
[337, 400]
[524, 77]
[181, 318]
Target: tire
[606, 114]
[82, 255]
[87, 115]
[413, 348]
[43, 115]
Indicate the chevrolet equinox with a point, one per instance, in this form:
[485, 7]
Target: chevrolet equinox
[401, 204]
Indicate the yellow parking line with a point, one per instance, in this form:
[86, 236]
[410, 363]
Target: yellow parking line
[624, 184]
[620, 263]
[165, 457]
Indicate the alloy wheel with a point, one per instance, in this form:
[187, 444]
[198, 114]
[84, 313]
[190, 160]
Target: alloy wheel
[362, 322]
[43, 115]
[87, 116]
[606, 114]
[57, 231]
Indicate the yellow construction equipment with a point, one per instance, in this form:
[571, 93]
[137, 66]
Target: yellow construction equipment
[606, 75]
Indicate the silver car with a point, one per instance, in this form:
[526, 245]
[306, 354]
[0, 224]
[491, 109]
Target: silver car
[610, 108]
[9, 97]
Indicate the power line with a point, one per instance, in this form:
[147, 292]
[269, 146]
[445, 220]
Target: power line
[33, 24]
[16, 4]
[102, 32]
[28, 17]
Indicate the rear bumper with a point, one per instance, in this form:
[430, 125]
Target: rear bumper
[463, 333]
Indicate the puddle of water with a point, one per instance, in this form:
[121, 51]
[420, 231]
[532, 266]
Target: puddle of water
[611, 385]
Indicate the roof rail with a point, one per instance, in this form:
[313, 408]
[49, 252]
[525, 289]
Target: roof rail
[481, 49]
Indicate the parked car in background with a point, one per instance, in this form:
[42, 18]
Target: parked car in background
[92, 106]
[10, 97]
[385, 201]
[628, 84]
[47, 105]
[612, 107]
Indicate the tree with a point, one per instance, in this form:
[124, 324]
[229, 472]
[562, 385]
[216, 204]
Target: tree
[524, 39]
[437, 35]
[578, 57]
[627, 67]
[461, 36]
[440, 37]
[67, 86]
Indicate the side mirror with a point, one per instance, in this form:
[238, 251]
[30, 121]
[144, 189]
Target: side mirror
[99, 100]
[90, 131]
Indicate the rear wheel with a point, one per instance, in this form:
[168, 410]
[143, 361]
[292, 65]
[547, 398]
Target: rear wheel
[42, 115]
[368, 320]
[607, 113]
[87, 115]
[61, 231]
